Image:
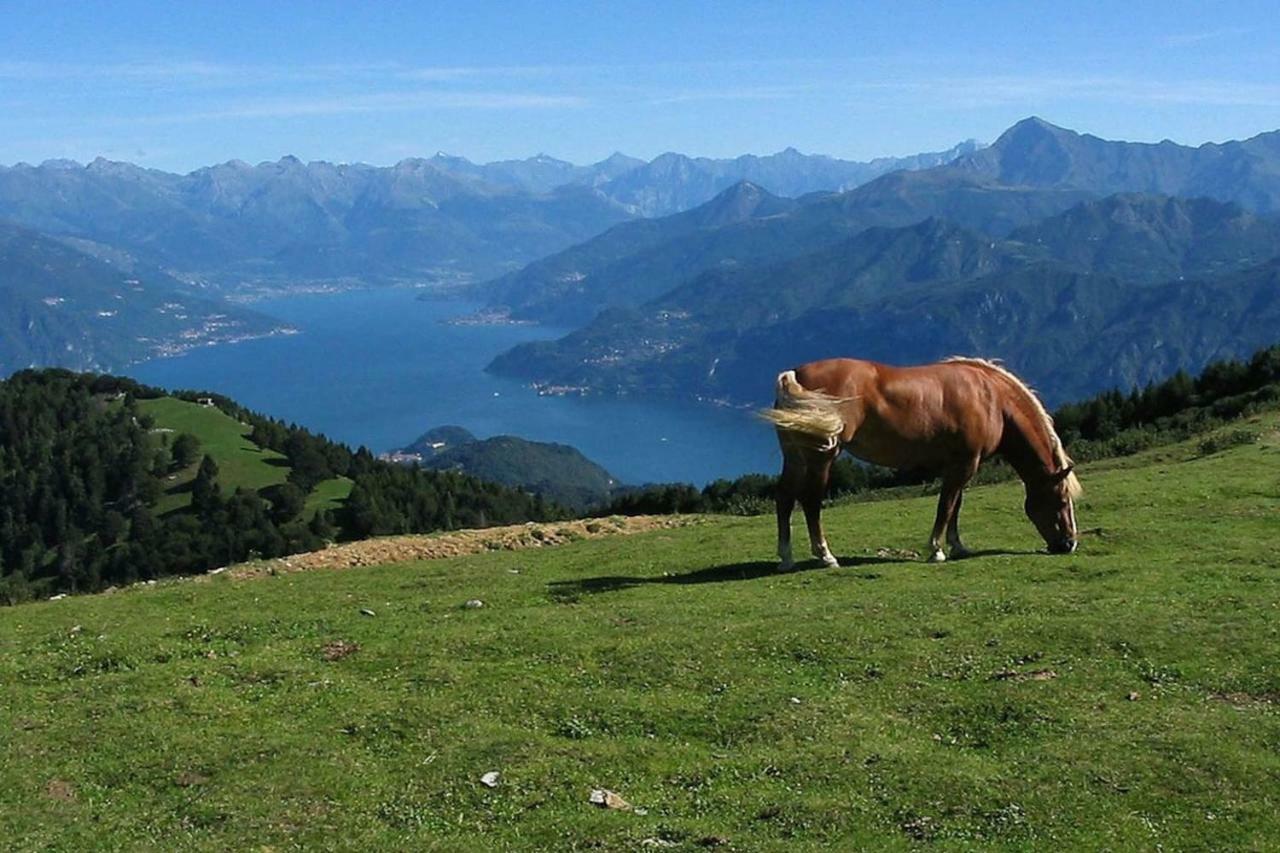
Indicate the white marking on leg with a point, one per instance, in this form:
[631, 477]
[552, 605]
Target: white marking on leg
[823, 553]
[936, 554]
[784, 556]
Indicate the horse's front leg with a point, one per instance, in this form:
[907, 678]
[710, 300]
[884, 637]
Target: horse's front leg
[953, 482]
[954, 544]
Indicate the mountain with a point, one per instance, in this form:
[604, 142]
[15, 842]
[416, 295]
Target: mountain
[1035, 153]
[1142, 237]
[1068, 203]
[540, 173]
[440, 220]
[60, 306]
[628, 264]
[1084, 300]
[674, 182]
[1033, 171]
[556, 472]
[235, 222]
[1068, 333]
[438, 440]
[637, 261]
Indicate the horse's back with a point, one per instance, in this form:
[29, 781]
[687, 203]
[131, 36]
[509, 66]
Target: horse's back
[840, 377]
[924, 413]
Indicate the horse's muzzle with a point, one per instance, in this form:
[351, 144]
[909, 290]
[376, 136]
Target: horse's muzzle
[1066, 546]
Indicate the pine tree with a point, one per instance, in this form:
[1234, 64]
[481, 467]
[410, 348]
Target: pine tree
[206, 496]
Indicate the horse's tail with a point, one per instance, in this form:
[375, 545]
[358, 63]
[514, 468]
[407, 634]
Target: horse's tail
[797, 409]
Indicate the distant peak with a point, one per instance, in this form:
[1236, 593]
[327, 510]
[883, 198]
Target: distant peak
[1036, 121]
[743, 187]
[1034, 126]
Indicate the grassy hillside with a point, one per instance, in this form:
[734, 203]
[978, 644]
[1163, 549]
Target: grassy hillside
[241, 463]
[1125, 697]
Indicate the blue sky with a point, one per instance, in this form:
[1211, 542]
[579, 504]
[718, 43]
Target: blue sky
[180, 85]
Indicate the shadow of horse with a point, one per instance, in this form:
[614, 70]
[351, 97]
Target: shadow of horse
[571, 589]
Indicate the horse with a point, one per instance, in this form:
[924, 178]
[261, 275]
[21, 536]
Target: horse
[946, 417]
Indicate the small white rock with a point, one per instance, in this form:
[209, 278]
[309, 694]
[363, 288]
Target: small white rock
[490, 779]
[364, 611]
[606, 799]
[474, 603]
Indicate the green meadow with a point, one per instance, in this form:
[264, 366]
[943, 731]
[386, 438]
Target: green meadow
[241, 463]
[1124, 697]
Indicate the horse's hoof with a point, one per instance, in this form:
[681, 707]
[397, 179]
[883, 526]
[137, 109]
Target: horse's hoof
[830, 562]
[960, 552]
[938, 557]
[786, 567]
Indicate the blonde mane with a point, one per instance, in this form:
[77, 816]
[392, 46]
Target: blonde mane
[1074, 489]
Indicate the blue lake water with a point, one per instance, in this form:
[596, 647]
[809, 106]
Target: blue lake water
[379, 367]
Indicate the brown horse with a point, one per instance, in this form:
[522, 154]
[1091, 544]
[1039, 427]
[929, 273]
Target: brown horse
[945, 417]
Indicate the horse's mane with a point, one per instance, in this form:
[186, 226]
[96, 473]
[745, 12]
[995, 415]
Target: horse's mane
[1060, 456]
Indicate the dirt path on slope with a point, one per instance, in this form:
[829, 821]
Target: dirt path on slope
[435, 546]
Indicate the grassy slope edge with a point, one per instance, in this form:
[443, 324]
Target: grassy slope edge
[983, 702]
[241, 463]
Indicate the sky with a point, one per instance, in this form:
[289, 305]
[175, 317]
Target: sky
[177, 86]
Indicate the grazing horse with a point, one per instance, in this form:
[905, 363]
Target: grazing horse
[945, 417]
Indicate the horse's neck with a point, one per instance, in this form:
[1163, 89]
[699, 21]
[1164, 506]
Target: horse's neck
[1024, 446]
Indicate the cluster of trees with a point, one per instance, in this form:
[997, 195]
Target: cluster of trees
[1115, 424]
[81, 472]
[77, 477]
[1109, 424]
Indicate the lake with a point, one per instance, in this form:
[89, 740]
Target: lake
[380, 367]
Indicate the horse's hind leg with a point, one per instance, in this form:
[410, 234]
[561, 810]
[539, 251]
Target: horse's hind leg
[819, 471]
[785, 500]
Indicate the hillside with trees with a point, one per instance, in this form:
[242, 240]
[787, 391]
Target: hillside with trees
[86, 479]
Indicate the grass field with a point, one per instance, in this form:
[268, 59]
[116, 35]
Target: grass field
[328, 495]
[241, 463]
[1125, 697]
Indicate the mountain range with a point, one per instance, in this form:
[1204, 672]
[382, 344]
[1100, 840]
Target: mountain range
[438, 220]
[1046, 247]
[1048, 244]
[237, 229]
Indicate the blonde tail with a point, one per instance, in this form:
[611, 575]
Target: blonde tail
[797, 409]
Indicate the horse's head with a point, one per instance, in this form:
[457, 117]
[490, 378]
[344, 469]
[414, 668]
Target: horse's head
[1051, 508]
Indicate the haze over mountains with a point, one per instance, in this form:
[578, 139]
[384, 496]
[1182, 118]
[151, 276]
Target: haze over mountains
[1084, 262]
[442, 221]
[1079, 260]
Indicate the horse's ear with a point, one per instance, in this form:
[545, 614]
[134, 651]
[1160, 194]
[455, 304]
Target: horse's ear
[1064, 473]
